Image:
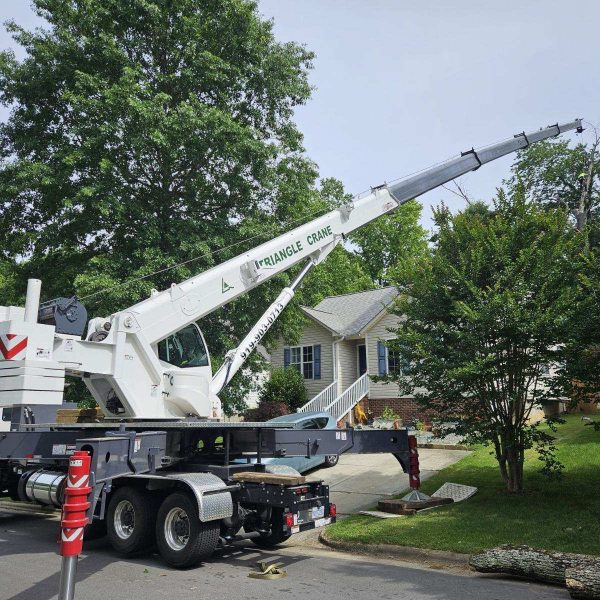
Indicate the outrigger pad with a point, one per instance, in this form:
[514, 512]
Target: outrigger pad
[456, 491]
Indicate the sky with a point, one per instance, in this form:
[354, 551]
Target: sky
[401, 84]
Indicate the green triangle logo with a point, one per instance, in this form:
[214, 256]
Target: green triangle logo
[225, 287]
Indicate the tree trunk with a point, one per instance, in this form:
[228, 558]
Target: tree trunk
[510, 460]
[580, 573]
[583, 582]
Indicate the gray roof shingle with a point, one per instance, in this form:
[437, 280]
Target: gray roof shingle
[351, 313]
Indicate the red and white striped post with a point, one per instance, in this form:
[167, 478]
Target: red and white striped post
[73, 520]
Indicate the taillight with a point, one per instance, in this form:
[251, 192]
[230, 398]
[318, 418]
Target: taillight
[289, 519]
[332, 510]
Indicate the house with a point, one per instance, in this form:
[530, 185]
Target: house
[341, 348]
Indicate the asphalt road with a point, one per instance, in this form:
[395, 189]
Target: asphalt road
[29, 570]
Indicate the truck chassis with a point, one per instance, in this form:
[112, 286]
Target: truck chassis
[182, 485]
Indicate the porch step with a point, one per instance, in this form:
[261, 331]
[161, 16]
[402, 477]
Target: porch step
[339, 406]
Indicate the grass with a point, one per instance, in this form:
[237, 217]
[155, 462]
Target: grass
[554, 515]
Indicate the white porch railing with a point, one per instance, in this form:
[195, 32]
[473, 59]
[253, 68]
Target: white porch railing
[349, 398]
[321, 400]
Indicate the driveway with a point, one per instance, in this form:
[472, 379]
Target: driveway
[29, 568]
[358, 481]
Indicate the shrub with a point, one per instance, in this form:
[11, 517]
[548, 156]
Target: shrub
[266, 411]
[287, 386]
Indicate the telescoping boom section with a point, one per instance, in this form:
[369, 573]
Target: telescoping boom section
[150, 361]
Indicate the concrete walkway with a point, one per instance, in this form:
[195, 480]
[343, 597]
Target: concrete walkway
[358, 481]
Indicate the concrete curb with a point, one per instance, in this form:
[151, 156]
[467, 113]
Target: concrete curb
[439, 558]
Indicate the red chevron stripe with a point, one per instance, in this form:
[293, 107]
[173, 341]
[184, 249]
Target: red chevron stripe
[8, 354]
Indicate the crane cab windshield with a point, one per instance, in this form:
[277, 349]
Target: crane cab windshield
[184, 349]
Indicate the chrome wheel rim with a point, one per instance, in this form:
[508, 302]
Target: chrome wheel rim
[177, 529]
[124, 519]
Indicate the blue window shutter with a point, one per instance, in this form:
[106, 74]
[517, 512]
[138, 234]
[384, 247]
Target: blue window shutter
[317, 361]
[381, 359]
[286, 358]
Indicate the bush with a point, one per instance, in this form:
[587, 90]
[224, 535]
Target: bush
[287, 386]
[283, 393]
[266, 411]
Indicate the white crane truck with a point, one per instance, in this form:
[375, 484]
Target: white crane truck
[163, 464]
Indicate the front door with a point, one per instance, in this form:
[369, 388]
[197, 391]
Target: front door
[362, 359]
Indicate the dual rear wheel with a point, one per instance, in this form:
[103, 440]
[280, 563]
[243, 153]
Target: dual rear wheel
[136, 520]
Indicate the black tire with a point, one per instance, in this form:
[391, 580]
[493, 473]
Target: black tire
[130, 520]
[331, 460]
[277, 536]
[182, 539]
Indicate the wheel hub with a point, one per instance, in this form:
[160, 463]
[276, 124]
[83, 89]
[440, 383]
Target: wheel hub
[124, 519]
[177, 529]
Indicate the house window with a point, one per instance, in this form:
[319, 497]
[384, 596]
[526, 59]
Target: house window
[307, 362]
[296, 358]
[305, 359]
[391, 361]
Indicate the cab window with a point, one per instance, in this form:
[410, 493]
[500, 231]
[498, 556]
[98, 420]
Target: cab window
[184, 349]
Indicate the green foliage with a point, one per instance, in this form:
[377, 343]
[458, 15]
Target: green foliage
[486, 314]
[287, 386]
[557, 175]
[150, 140]
[146, 134]
[579, 374]
[392, 242]
[389, 414]
[282, 393]
[341, 273]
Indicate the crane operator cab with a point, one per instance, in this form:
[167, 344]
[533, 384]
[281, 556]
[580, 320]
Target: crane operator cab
[188, 373]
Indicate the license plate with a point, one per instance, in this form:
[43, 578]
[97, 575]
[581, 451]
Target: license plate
[318, 512]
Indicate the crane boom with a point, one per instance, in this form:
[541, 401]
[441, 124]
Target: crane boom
[169, 311]
[149, 361]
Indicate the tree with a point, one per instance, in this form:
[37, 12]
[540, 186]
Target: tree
[390, 241]
[148, 141]
[557, 175]
[578, 375]
[144, 135]
[485, 315]
[560, 176]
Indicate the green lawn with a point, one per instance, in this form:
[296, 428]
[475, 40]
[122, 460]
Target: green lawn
[555, 515]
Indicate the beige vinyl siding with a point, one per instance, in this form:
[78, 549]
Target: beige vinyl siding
[313, 334]
[379, 331]
[346, 363]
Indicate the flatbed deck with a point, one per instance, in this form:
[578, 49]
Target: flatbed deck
[139, 425]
